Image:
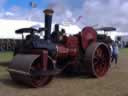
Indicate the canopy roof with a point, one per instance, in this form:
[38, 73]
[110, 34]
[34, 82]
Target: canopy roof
[106, 29]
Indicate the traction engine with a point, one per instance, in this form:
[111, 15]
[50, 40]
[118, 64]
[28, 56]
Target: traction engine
[37, 60]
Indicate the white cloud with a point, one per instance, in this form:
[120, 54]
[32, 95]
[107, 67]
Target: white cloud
[9, 14]
[124, 7]
[94, 12]
[110, 13]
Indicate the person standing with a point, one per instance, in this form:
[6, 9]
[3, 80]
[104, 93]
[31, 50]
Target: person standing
[115, 52]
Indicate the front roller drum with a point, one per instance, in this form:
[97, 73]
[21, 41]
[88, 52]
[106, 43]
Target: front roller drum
[97, 59]
[21, 70]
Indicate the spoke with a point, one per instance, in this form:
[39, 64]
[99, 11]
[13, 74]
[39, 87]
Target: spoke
[100, 61]
[99, 51]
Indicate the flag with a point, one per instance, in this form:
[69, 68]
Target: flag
[33, 4]
[79, 18]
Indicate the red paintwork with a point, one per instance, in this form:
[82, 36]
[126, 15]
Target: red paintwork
[73, 52]
[44, 59]
[63, 52]
[73, 45]
[69, 49]
[72, 42]
[88, 35]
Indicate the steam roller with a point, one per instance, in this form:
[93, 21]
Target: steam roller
[36, 61]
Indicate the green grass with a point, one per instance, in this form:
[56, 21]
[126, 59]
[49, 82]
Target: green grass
[6, 56]
[124, 51]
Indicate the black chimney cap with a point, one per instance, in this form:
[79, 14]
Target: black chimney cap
[48, 11]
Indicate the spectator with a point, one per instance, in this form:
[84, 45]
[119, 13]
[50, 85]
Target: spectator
[115, 52]
[111, 49]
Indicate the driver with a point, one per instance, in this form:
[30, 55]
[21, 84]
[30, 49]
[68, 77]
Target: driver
[58, 36]
[32, 35]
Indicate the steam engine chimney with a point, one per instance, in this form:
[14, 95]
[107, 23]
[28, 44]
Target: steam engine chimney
[48, 22]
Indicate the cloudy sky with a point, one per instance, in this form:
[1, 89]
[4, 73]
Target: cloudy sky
[81, 12]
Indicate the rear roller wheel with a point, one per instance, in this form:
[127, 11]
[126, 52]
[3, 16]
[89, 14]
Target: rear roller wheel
[97, 59]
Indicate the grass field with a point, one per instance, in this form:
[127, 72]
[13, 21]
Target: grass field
[6, 56]
[115, 83]
[124, 51]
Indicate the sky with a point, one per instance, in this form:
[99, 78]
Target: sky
[96, 13]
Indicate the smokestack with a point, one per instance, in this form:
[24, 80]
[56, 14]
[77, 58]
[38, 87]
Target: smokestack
[48, 22]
